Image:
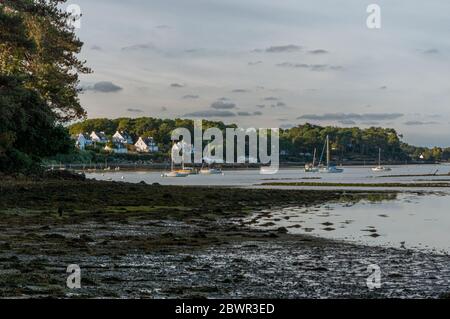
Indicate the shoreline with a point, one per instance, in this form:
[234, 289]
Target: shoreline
[179, 242]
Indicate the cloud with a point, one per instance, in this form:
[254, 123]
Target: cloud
[351, 116]
[140, 47]
[223, 105]
[254, 63]
[210, 113]
[240, 91]
[223, 99]
[271, 98]
[286, 126]
[176, 85]
[103, 87]
[431, 51]
[419, 123]
[283, 48]
[347, 122]
[190, 97]
[312, 67]
[135, 111]
[279, 104]
[318, 51]
[384, 87]
[260, 106]
[163, 109]
[96, 48]
[257, 113]
[244, 113]
[163, 27]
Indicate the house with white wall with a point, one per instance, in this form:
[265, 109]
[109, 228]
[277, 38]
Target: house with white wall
[118, 148]
[122, 137]
[99, 137]
[146, 145]
[81, 141]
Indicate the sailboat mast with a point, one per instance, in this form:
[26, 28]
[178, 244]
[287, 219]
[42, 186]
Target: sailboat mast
[328, 151]
[379, 156]
[314, 157]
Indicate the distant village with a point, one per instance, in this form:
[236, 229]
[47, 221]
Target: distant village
[120, 143]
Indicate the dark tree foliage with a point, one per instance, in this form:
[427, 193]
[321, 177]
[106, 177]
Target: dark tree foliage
[36, 40]
[38, 82]
[28, 129]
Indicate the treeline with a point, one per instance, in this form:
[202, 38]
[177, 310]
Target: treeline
[296, 144]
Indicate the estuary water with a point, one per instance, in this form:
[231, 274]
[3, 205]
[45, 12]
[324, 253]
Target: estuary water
[417, 218]
[289, 175]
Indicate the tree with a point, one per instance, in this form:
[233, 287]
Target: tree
[37, 41]
[28, 129]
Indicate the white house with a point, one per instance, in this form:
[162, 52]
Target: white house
[99, 137]
[146, 145]
[119, 148]
[81, 141]
[122, 137]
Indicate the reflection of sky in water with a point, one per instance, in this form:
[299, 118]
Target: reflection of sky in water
[411, 221]
[252, 177]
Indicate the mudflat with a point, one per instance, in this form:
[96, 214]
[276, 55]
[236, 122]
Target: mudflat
[152, 241]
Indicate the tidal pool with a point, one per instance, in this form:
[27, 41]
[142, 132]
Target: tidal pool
[411, 221]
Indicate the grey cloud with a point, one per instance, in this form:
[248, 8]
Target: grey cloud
[271, 98]
[191, 97]
[103, 87]
[384, 87]
[279, 104]
[254, 63]
[176, 85]
[222, 105]
[261, 106]
[244, 113]
[312, 67]
[257, 113]
[135, 110]
[431, 51]
[163, 27]
[240, 91]
[352, 116]
[347, 122]
[163, 109]
[318, 51]
[283, 48]
[210, 113]
[419, 123]
[139, 47]
[96, 48]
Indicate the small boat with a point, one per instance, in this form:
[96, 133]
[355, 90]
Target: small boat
[189, 171]
[380, 168]
[183, 172]
[329, 169]
[174, 174]
[211, 171]
[267, 170]
[311, 167]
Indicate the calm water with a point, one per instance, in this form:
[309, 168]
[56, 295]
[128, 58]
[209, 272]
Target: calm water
[253, 177]
[410, 221]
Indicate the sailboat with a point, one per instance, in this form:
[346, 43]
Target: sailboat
[311, 167]
[380, 168]
[329, 168]
[173, 172]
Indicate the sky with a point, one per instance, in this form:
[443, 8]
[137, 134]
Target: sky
[271, 63]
